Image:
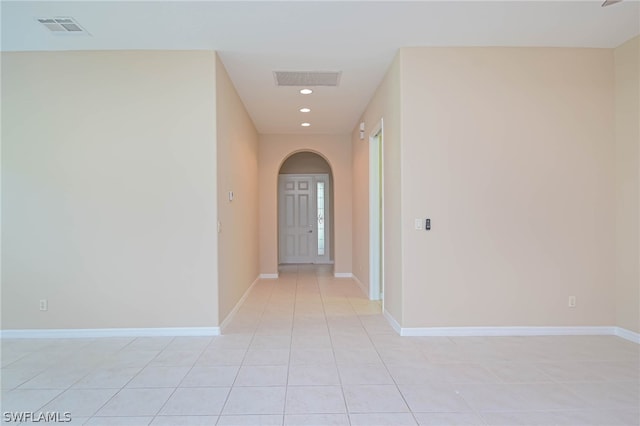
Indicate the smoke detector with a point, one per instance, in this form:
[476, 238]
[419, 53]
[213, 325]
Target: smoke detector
[62, 25]
[306, 78]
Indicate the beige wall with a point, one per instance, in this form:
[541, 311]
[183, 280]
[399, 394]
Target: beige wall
[510, 152]
[627, 95]
[108, 189]
[273, 151]
[385, 105]
[238, 172]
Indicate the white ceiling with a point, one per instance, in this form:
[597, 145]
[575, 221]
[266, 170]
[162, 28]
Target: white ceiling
[359, 38]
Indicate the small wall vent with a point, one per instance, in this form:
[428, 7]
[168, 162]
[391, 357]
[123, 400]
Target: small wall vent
[306, 78]
[62, 25]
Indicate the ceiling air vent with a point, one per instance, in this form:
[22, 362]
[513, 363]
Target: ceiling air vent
[64, 25]
[307, 78]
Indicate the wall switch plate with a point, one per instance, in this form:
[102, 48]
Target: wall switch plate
[230, 195]
[44, 304]
[418, 224]
[572, 301]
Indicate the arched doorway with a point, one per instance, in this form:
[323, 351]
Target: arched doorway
[305, 209]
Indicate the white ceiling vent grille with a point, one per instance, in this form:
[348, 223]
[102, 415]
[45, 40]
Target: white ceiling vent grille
[63, 25]
[307, 78]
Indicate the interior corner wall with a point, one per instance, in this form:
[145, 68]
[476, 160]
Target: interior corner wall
[627, 107]
[273, 151]
[237, 144]
[109, 189]
[510, 152]
[385, 105]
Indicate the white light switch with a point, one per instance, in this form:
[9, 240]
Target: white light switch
[418, 224]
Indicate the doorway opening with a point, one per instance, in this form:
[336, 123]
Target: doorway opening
[305, 210]
[376, 215]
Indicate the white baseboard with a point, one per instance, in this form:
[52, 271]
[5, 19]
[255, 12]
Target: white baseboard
[364, 289]
[343, 275]
[268, 276]
[109, 332]
[392, 322]
[629, 335]
[229, 316]
[505, 331]
[511, 331]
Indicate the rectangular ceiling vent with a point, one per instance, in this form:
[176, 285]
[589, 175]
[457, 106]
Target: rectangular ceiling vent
[63, 25]
[307, 78]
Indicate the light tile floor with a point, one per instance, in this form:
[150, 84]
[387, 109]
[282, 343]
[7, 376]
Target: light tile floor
[311, 349]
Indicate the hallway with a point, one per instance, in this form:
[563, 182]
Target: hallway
[309, 348]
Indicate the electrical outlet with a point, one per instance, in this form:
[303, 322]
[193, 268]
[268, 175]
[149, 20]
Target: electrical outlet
[44, 305]
[572, 301]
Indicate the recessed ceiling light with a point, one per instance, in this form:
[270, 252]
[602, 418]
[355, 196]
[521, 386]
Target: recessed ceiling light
[306, 124]
[305, 110]
[306, 91]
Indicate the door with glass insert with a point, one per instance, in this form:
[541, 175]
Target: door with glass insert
[303, 219]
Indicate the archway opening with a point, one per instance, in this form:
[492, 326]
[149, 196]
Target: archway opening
[305, 210]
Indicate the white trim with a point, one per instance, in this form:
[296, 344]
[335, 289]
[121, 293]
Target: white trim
[268, 276]
[328, 216]
[629, 335]
[230, 315]
[363, 287]
[505, 331]
[392, 322]
[109, 332]
[376, 213]
[343, 275]
[511, 331]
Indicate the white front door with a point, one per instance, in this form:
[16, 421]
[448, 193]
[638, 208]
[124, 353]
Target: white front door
[300, 220]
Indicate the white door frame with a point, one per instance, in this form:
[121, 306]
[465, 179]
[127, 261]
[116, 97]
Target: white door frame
[376, 213]
[315, 178]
